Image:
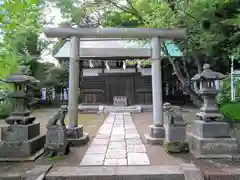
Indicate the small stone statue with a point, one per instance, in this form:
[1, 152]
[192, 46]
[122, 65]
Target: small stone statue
[58, 116]
[56, 139]
[175, 131]
[173, 118]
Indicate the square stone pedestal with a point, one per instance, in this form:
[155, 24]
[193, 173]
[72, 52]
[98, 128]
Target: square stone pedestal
[21, 142]
[76, 136]
[211, 140]
[56, 141]
[175, 139]
[156, 135]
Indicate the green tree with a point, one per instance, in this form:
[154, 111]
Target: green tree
[212, 26]
[18, 21]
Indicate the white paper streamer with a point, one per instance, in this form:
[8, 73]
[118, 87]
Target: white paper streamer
[107, 66]
[44, 93]
[139, 65]
[65, 95]
[124, 65]
[53, 94]
[91, 64]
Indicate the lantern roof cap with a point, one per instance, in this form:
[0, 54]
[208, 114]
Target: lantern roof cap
[208, 74]
[21, 77]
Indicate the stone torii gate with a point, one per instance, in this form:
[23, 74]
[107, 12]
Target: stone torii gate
[157, 133]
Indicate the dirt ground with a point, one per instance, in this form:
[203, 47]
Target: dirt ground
[91, 122]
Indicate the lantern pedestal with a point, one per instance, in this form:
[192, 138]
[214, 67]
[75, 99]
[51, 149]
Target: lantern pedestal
[211, 140]
[21, 142]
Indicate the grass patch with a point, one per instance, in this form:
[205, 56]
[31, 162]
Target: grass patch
[232, 110]
[57, 158]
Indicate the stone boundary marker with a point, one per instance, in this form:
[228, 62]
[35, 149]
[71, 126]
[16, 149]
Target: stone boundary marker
[191, 172]
[224, 174]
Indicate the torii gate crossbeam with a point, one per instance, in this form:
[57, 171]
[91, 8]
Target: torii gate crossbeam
[156, 130]
[115, 33]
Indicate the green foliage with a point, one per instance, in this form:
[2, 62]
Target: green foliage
[20, 21]
[231, 110]
[224, 96]
[5, 109]
[5, 104]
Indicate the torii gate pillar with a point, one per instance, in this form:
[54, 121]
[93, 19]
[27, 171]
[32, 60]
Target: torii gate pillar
[157, 132]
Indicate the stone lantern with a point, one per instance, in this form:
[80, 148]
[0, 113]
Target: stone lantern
[209, 135]
[207, 89]
[21, 113]
[21, 139]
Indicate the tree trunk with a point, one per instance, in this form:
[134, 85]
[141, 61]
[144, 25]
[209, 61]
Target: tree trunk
[197, 100]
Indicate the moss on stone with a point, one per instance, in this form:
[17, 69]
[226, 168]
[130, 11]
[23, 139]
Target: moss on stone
[57, 158]
[176, 147]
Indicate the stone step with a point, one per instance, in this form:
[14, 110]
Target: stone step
[120, 172]
[88, 109]
[131, 109]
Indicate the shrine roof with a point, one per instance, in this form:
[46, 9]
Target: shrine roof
[115, 49]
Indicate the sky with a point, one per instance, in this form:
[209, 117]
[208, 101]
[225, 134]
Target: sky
[52, 14]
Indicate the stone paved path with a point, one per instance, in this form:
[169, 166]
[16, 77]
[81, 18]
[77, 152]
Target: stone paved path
[117, 143]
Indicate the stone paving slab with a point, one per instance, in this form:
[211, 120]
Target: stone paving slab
[117, 143]
[138, 159]
[115, 162]
[97, 149]
[93, 159]
[136, 149]
[116, 154]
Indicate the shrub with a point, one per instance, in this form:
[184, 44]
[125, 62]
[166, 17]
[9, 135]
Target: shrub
[232, 110]
[5, 104]
[224, 96]
[5, 109]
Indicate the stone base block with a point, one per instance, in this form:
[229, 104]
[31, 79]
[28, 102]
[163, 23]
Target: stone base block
[212, 147]
[53, 151]
[22, 159]
[79, 141]
[175, 133]
[153, 140]
[20, 132]
[156, 135]
[74, 132]
[20, 119]
[56, 141]
[157, 131]
[210, 129]
[21, 150]
[119, 172]
[176, 147]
